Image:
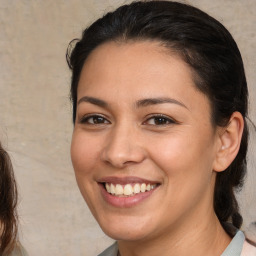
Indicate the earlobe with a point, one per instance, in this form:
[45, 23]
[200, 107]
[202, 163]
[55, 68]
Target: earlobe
[230, 139]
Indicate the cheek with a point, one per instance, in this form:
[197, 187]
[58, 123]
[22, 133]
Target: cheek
[84, 154]
[182, 155]
[170, 152]
[186, 163]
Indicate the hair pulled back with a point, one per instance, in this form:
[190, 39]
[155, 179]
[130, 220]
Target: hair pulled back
[206, 46]
[8, 203]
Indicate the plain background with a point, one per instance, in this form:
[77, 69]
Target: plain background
[35, 115]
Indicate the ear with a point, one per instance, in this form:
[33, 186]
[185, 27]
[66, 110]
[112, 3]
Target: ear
[229, 138]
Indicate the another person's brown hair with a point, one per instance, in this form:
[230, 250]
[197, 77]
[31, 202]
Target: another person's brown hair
[8, 203]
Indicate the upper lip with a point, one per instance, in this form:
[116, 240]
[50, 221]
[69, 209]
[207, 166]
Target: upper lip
[126, 180]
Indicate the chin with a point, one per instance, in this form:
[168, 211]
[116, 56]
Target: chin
[124, 235]
[124, 230]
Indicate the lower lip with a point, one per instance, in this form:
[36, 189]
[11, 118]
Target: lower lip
[126, 201]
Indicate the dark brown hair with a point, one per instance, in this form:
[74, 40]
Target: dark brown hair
[8, 203]
[211, 52]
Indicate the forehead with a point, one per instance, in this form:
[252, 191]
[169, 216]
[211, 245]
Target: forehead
[135, 59]
[134, 70]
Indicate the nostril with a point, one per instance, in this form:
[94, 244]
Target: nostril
[123, 159]
[122, 148]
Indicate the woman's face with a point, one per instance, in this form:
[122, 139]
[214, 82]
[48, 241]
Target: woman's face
[143, 147]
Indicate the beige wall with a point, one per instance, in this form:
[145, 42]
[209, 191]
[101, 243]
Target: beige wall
[35, 115]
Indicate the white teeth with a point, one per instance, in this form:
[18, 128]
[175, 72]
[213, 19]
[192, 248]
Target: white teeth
[112, 189]
[128, 189]
[136, 188]
[143, 187]
[108, 187]
[119, 189]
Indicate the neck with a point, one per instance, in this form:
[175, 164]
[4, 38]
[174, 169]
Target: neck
[205, 237]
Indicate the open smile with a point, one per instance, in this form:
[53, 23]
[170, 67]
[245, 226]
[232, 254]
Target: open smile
[126, 192]
[128, 189]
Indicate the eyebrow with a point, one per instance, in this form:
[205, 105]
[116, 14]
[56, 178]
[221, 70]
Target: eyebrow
[94, 101]
[155, 101]
[140, 103]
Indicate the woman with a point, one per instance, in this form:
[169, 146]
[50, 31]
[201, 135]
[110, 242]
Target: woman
[160, 139]
[8, 204]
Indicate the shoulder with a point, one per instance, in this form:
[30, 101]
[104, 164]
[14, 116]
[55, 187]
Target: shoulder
[248, 249]
[18, 251]
[110, 251]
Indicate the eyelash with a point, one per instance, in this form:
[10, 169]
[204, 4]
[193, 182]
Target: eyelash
[167, 120]
[162, 119]
[85, 119]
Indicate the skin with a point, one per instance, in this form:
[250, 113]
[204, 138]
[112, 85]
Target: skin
[182, 154]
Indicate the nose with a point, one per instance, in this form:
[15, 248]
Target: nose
[123, 147]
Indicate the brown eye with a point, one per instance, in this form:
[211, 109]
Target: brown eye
[159, 120]
[94, 119]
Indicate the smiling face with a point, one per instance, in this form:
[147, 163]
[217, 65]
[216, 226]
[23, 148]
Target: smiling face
[143, 146]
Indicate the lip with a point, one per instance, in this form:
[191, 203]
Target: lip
[125, 201]
[126, 180]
